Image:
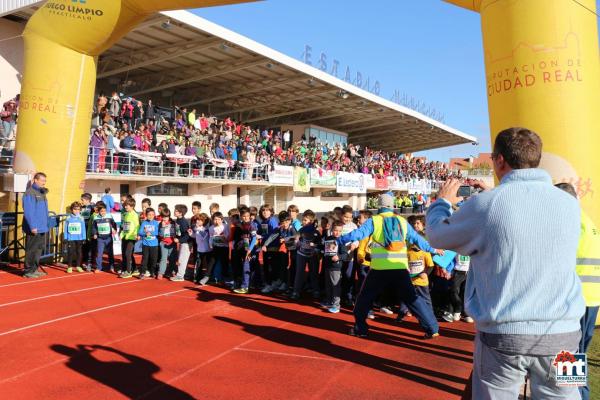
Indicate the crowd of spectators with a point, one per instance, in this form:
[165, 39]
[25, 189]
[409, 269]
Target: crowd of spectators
[127, 124]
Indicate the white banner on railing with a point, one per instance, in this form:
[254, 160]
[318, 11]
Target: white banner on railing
[319, 176]
[281, 174]
[350, 183]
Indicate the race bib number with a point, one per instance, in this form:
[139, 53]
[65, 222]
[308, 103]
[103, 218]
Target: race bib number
[126, 226]
[265, 228]
[166, 232]
[218, 240]
[149, 229]
[104, 228]
[74, 229]
[331, 248]
[246, 243]
[416, 267]
[290, 243]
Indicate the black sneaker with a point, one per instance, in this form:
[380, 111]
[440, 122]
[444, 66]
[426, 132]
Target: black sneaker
[294, 296]
[355, 333]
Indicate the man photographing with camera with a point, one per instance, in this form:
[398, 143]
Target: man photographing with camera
[522, 290]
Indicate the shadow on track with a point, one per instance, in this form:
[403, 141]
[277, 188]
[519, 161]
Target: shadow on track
[131, 375]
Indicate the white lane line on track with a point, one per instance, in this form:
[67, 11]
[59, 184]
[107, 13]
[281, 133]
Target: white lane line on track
[121, 339]
[277, 353]
[215, 358]
[45, 279]
[27, 327]
[64, 293]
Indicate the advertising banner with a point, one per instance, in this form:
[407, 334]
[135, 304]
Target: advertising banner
[350, 183]
[319, 176]
[282, 175]
[301, 180]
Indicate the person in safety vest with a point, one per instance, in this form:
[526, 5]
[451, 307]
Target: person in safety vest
[389, 266]
[588, 270]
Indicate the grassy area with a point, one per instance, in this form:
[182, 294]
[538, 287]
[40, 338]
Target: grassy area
[594, 365]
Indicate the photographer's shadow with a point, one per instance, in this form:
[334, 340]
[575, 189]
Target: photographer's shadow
[134, 378]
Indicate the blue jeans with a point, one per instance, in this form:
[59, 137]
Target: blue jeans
[241, 268]
[587, 331]
[104, 244]
[399, 280]
[7, 127]
[168, 253]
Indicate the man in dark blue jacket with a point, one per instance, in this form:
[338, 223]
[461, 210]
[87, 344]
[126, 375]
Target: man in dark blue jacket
[35, 224]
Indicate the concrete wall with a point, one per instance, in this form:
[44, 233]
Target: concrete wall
[226, 196]
[11, 59]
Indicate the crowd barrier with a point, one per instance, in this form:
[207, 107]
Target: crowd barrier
[12, 239]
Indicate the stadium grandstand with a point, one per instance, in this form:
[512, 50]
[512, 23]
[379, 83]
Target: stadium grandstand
[180, 61]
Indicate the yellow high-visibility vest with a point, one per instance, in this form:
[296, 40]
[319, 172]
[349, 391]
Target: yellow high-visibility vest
[382, 258]
[588, 261]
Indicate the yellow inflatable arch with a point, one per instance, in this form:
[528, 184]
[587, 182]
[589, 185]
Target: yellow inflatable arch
[62, 42]
[543, 72]
[541, 59]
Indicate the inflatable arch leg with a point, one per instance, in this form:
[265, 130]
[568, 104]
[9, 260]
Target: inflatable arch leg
[62, 42]
[543, 72]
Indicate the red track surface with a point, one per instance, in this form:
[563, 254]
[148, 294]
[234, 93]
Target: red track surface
[93, 336]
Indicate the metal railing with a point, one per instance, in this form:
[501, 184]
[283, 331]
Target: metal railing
[107, 161]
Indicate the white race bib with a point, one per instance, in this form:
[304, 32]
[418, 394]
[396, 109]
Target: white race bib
[103, 228]
[416, 267]
[74, 229]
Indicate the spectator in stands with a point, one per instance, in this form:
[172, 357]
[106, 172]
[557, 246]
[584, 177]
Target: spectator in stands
[35, 224]
[525, 315]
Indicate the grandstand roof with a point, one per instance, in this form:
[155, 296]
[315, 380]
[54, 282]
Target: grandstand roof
[179, 58]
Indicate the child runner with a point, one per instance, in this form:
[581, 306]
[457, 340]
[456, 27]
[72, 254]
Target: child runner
[291, 245]
[244, 241]
[348, 269]
[148, 234]
[309, 238]
[200, 232]
[219, 245]
[269, 226]
[103, 229]
[276, 255]
[167, 236]
[457, 290]
[87, 209]
[129, 232]
[333, 256]
[75, 237]
[184, 238]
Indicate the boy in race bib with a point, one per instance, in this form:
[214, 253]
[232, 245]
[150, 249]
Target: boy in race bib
[74, 235]
[103, 229]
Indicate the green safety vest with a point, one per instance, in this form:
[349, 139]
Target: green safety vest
[588, 261]
[382, 258]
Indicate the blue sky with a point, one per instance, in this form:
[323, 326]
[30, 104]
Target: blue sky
[428, 49]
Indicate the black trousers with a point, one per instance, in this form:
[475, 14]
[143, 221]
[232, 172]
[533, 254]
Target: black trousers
[149, 259]
[457, 291]
[74, 252]
[127, 263]
[34, 247]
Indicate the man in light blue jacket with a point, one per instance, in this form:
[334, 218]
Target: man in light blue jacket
[522, 290]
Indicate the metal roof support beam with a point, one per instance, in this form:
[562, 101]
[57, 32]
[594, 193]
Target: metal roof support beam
[360, 121]
[188, 48]
[263, 86]
[197, 78]
[370, 128]
[323, 117]
[284, 114]
[302, 95]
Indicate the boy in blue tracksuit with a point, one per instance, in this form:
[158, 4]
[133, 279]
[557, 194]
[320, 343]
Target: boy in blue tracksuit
[268, 226]
[103, 229]
[74, 235]
[148, 234]
[309, 239]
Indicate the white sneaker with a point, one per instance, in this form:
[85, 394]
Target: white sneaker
[371, 315]
[386, 310]
[147, 274]
[267, 289]
[446, 316]
[468, 320]
[456, 316]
